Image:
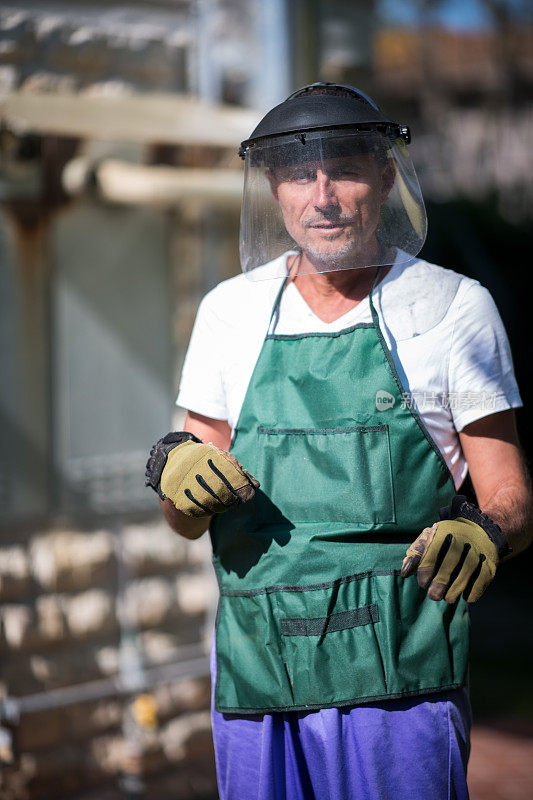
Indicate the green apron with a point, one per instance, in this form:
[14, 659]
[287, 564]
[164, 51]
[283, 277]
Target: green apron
[313, 612]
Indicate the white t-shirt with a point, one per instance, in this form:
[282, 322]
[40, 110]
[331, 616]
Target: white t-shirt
[443, 329]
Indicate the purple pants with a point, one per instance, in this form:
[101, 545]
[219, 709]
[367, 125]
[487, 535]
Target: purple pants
[392, 750]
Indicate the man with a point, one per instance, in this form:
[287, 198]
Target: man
[336, 672]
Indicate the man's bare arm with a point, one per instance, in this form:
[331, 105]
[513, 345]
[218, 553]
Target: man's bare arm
[218, 432]
[500, 476]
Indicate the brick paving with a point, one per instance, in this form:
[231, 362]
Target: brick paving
[501, 763]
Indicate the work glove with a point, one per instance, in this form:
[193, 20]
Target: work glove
[458, 555]
[199, 479]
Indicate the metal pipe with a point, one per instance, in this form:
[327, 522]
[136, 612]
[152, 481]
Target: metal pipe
[196, 666]
[159, 186]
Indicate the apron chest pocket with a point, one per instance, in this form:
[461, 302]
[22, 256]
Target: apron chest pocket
[328, 474]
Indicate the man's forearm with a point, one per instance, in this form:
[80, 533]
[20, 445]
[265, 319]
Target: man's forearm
[500, 476]
[511, 508]
[189, 527]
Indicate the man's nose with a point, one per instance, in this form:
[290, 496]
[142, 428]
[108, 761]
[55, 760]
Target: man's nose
[324, 191]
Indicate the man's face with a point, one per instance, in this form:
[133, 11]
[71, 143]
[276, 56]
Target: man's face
[331, 208]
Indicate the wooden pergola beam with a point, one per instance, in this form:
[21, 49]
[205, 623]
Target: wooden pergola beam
[144, 118]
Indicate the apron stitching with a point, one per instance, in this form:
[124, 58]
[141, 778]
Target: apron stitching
[380, 658]
[310, 587]
[320, 431]
[287, 337]
[340, 704]
[281, 652]
[378, 646]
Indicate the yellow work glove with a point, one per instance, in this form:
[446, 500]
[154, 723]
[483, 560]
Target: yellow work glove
[199, 479]
[458, 555]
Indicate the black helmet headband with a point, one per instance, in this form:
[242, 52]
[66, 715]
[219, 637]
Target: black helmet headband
[324, 107]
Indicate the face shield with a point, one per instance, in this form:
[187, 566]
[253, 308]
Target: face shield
[320, 201]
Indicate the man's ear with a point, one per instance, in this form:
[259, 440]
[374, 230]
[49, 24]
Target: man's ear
[387, 181]
[273, 183]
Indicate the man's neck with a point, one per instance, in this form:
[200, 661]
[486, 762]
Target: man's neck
[330, 295]
[348, 283]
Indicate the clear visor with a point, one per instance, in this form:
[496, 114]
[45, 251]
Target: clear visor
[318, 203]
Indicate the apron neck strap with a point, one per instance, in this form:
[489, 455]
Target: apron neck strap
[374, 283]
[277, 301]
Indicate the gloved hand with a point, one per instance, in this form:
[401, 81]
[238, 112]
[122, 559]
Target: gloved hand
[199, 479]
[457, 555]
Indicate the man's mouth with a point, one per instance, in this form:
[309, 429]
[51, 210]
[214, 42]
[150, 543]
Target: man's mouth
[329, 227]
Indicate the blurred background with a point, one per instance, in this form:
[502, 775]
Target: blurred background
[119, 208]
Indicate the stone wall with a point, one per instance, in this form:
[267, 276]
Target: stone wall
[99, 610]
